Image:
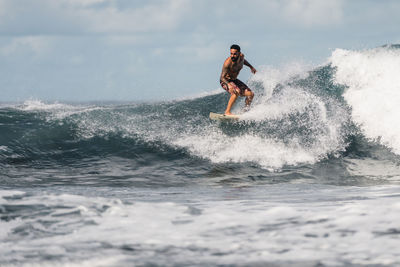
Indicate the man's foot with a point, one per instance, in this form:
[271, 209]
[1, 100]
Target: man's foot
[228, 114]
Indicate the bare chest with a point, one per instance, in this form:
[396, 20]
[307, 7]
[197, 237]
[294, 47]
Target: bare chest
[237, 66]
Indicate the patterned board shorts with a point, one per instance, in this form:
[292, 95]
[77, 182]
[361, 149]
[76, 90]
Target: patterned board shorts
[241, 85]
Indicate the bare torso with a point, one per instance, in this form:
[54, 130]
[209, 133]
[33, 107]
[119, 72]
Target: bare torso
[231, 69]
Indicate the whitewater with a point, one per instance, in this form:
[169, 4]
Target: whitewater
[309, 176]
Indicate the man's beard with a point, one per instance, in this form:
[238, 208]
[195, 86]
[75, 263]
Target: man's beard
[234, 59]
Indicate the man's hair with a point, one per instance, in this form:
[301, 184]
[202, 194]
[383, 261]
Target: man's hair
[235, 46]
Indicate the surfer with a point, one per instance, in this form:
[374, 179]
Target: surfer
[229, 80]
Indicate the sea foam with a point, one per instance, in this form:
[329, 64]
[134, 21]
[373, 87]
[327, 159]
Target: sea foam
[301, 128]
[373, 92]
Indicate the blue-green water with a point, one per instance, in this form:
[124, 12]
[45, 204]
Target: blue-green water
[309, 176]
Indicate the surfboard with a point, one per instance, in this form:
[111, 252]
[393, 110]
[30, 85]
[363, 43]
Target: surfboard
[223, 117]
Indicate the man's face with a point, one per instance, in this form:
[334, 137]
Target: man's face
[234, 55]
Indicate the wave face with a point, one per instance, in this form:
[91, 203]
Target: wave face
[300, 116]
[373, 91]
[295, 119]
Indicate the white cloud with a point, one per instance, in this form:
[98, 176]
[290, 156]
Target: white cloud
[313, 12]
[83, 3]
[2, 7]
[113, 17]
[201, 53]
[165, 16]
[127, 40]
[89, 16]
[37, 45]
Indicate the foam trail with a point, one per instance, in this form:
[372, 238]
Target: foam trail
[373, 92]
[290, 127]
[36, 105]
[57, 110]
[269, 77]
[247, 148]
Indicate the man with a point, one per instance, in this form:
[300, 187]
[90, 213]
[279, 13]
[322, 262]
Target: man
[229, 81]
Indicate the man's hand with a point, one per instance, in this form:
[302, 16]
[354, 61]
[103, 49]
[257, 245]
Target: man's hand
[253, 70]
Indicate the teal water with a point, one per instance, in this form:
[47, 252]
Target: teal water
[309, 176]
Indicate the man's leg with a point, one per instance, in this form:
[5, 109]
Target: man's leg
[244, 91]
[234, 91]
[249, 97]
[230, 104]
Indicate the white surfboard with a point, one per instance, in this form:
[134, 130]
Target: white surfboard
[223, 117]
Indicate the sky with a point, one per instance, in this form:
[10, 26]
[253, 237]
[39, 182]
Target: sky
[131, 50]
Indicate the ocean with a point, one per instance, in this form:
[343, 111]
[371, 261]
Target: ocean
[310, 176]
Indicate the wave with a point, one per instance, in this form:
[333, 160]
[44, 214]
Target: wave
[301, 115]
[373, 91]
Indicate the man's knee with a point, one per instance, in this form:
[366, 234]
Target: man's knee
[249, 93]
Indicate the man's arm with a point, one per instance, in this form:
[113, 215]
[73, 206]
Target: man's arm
[225, 69]
[253, 70]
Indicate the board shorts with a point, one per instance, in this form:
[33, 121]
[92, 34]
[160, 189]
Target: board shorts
[241, 85]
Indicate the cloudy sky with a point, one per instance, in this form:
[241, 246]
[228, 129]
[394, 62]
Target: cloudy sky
[81, 50]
